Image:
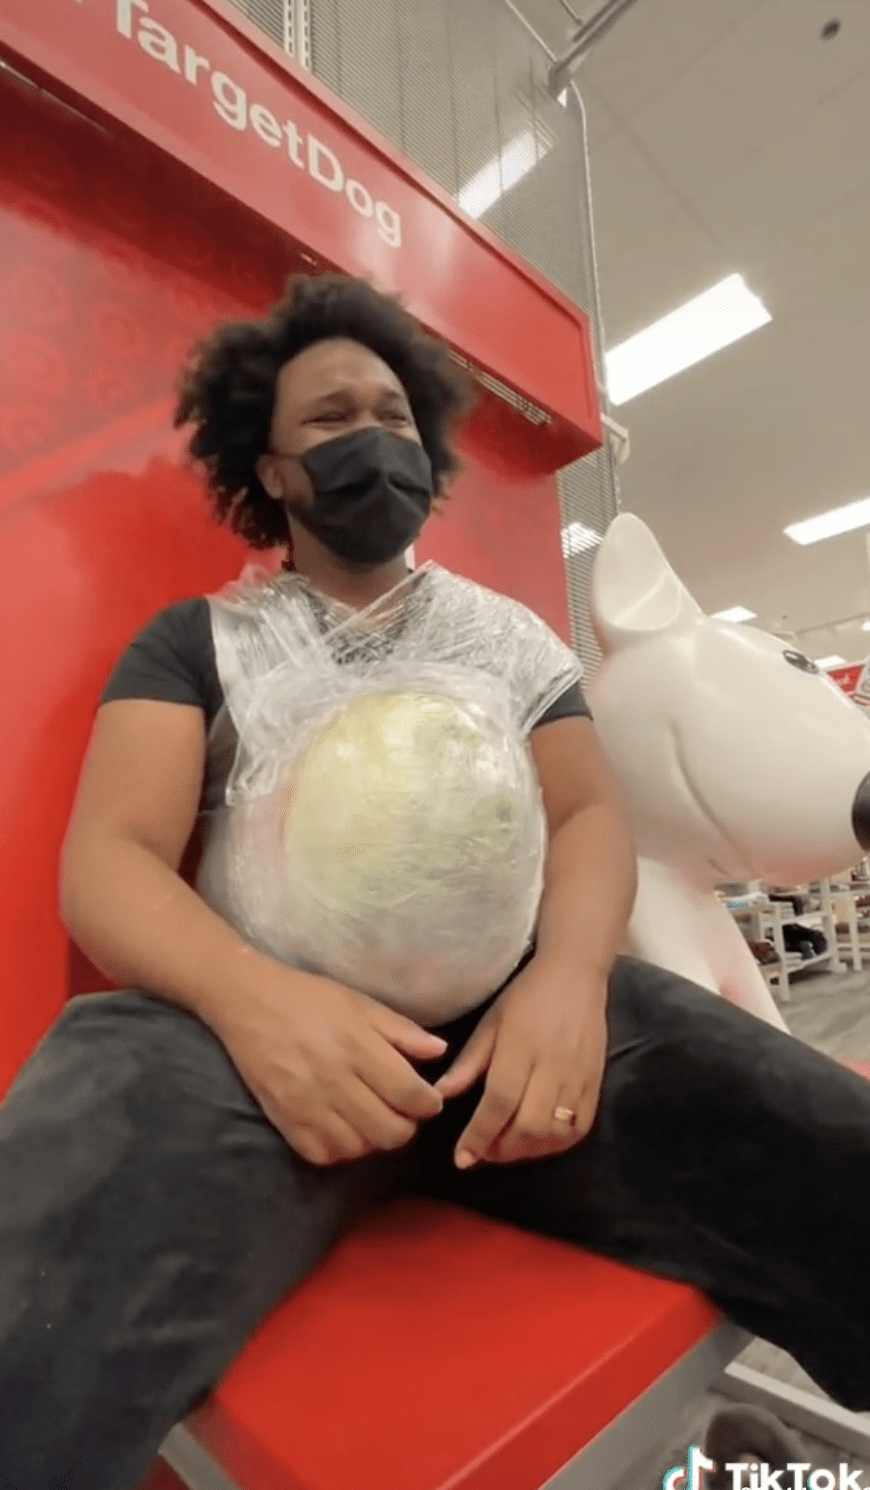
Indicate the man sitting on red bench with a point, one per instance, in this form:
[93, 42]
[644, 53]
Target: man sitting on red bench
[176, 1157]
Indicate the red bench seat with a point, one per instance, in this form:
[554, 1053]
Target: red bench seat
[436, 1349]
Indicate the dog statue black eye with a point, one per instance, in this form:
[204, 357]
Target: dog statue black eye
[802, 663]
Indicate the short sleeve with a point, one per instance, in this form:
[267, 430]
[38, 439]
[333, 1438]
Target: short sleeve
[544, 674]
[171, 661]
[569, 705]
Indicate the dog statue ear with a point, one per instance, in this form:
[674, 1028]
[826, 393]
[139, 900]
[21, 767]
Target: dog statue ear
[635, 592]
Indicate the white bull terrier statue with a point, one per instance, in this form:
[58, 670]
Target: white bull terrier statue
[738, 758]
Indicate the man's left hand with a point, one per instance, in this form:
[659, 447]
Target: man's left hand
[542, 1047]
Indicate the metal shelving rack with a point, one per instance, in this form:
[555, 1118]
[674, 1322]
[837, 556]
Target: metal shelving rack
[763, 919]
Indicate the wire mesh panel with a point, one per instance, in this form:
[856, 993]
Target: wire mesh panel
[589, 496]
[286, 21]
[270, 15]
[460, 87]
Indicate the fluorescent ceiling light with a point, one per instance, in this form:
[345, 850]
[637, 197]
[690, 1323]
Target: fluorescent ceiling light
[826, 663]
[698, 329]
[519, 156]
[866, 626]
[578, 539]
[736, 614]
[831, 524]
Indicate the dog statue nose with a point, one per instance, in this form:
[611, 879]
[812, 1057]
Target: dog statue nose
[861, 814]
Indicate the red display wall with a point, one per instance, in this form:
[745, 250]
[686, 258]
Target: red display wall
[113, 259]
[212, 92]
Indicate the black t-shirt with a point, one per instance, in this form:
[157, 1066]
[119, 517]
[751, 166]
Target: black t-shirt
[173, 661]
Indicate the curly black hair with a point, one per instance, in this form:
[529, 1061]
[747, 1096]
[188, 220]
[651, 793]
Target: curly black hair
[227, 391]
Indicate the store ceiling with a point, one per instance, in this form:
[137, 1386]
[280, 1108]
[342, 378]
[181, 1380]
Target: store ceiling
[726, 136]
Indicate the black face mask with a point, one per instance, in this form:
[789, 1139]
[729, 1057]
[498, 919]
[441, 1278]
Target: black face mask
[372, 495]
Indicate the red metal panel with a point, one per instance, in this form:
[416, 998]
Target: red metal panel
[503, 529]
[243, 116]
[113, 259]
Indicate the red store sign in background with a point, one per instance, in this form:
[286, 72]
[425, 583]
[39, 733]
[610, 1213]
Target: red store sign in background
[855, 681]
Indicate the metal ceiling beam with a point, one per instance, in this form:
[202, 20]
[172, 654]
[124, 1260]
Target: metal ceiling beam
[590, 33]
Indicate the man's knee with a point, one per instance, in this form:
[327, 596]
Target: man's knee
[121, 1092]
[146, 1228]
[652, 1003]
[118, 1046]
[684, 1047]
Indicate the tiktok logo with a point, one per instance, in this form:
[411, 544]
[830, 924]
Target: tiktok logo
[690, 1476]
[761, 1477]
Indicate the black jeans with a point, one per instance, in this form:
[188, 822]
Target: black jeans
[150, 1216]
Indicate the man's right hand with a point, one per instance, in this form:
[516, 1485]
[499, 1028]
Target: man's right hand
[330, 1067]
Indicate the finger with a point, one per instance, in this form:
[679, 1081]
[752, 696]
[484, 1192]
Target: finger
[386, 1073]
[534, 1129]
[367, 1114]
[506, 1083]
[585, 1105]
[334, 1141]
[405, 1035]
[472, 1061]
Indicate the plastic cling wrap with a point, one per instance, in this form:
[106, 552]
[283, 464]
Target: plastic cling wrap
[384, 823]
